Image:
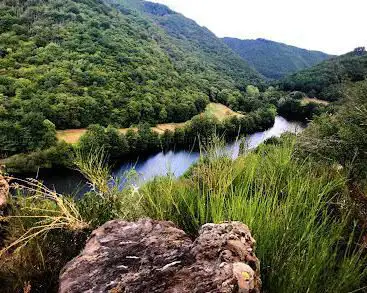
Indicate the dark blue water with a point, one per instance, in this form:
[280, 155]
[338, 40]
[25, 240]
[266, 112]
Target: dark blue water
[160, 164]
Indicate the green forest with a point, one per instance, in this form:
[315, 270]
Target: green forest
[78, 63]
[69, 64]
[327, 80]
[272, 59]
[116, 69]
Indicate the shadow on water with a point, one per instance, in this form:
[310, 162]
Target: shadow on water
[159, 164]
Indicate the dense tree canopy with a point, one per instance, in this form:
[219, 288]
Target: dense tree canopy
[73, 63]
[327, 79]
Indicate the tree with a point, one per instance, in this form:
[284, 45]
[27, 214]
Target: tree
[94, 139]
[116, 143]
[252, 91]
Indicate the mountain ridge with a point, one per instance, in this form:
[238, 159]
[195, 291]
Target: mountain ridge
[327, 79]
[274, 60]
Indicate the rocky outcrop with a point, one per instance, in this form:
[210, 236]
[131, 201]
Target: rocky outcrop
[155, 256]
[4, 192]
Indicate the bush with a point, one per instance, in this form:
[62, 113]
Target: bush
[61, 155]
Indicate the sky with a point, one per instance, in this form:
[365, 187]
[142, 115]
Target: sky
[331, 26]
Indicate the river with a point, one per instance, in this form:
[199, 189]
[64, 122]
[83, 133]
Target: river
[159, 164]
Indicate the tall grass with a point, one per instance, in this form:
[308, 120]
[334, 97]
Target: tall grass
[40, 212]
[110, 197]
[46, 229]
[297, 212]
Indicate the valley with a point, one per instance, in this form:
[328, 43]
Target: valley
[114, 111]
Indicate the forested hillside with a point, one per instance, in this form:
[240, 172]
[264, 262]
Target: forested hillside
[272, 59]
[68, 64]
[204, 50]
[327, 79]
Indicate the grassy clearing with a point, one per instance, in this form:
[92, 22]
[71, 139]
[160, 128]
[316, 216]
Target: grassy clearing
[307, 100]
[220, 111]
[71, 136]
[217, 110]
[161, 128]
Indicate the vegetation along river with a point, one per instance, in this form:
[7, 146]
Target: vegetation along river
[162, 163]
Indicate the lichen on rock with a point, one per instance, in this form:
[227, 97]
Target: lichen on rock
[156, 256]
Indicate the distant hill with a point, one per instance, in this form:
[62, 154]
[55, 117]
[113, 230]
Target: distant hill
[327, 79]
[272, 59]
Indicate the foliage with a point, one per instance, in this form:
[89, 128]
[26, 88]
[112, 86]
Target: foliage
[60, 155]
[342, 137]
[204, 45]
[109, 198]
[295, 109]
[303, 240]
[44, 230]
[298, 212]
[43, 210]
[327, 80]
[201, 128]
[70, 64]
[274, 60]
[38, 265]
[33, 132]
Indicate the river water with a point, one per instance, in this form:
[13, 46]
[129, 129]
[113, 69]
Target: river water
[159, 164]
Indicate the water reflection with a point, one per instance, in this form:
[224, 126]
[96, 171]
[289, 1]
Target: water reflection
[160, 164]
[177, 163]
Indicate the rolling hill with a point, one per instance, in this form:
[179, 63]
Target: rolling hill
[272, 59]
[328, 79]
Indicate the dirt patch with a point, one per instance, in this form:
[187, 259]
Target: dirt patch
[217, 110]
[70, 135]
[125, 130]
[220, 111]
[306, 101]
[168, 126]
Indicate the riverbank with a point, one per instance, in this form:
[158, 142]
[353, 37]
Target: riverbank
[216, 110]
[174, 161]
[270, 189]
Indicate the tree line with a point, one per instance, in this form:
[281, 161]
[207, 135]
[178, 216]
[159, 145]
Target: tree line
[117, 146]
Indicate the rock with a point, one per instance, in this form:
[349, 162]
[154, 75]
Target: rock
[155, 256]
[4, 192]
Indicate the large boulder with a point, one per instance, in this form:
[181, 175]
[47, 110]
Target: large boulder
[4, 192]
[155, 256]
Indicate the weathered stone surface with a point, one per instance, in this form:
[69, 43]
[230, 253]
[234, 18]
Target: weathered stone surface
[4, 192]
[155, 256]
